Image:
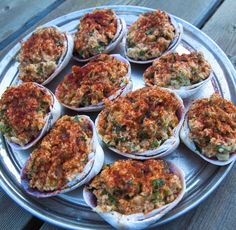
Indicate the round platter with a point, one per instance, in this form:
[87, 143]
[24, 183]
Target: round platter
[69, 210]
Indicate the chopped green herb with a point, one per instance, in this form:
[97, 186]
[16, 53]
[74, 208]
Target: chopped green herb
[222, 148]
[157, 183]
[2, 113]
[76, 118]
[5, 129]
[40, 70]
[120, 139]
[155, 144]
[112, 199]
[143, 135]
[156, 195]
[142, 52]
[108, 145]
[102, 44]
[104, 192]
[118, 128]
[149, 32]
[129, 182]
[80, 52]
[139, 187]
[98, 49]
[59, 43]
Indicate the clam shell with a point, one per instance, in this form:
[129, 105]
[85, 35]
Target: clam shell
[171, 48]
[121, 28]
[187, 91]
[65, 57]
[184, 135]
[121, 92]
[92, 168]
[166, 148]
[139, 220]
[51, 117]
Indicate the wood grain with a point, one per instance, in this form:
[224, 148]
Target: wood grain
[196, 12]
[222, 28]
[192, 11]
[14, 14]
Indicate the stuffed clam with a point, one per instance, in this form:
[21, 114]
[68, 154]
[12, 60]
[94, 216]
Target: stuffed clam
[27, 111]
[153, 34]
[132, 194]
[98, 32]
[67, 157]
[44, 54]
[209, 129]
[185, 74]
[106, 77]
[143, 124]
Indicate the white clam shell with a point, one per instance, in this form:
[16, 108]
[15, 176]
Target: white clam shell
[121, 28]
[187, 91]
[92, 168]
[51, 117]
[121, 92]
[65, 57]
[173, 45]
[166, 148]
[184, 135]
[139, 220]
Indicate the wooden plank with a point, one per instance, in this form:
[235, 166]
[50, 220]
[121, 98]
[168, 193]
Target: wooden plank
[196, 12]
[192, 11]
[222, 28]
[15, 14]
[12, 216]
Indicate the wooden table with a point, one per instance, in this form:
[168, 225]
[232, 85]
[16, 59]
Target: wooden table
[217, 18]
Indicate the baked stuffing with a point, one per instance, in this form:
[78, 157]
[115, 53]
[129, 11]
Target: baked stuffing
[95, 32]
[62, 154]
[40, 54]
[150, 35]
[94, 82]
[140, 121]
[23, 110]
[174, 70]
[131, 186]
[212, 124]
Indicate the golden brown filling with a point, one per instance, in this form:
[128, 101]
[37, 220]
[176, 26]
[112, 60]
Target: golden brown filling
[23, 110]
[212, 123]
[131, 186]
[94, 82]
[95, 31]
[150, 35]
[62, 154]
[140, 121]
[174, 70]
[39, 55]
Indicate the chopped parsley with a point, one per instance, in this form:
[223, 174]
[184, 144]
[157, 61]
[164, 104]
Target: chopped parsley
[155, 144]
[157, 183]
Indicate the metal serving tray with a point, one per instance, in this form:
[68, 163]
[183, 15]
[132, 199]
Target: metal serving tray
[69, 210]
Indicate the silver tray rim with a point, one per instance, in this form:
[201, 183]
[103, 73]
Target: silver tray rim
[8, 186]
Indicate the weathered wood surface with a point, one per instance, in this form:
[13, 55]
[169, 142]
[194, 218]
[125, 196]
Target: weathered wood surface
[195, 12]
[222, 28]
[16, 14]
[217, 212]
